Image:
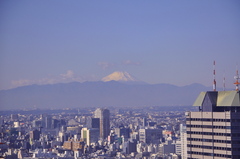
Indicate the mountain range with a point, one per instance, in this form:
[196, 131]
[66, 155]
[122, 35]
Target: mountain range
[99, 94]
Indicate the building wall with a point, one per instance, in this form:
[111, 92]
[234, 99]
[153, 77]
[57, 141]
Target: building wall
[104, 117]
[183, 137]
[150, 135]
[210, 134]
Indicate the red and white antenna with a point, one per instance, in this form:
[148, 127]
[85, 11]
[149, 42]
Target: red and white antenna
[224, 82]
[237, 78]
[214, 79]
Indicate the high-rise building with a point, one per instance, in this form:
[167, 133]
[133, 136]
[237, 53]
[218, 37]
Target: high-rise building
[35, 134]
[145, 122]
[90, 135]
[92, 122]
[149, 136]
[183, 139]
[104, 118]
[214, 131]
[14, 117]
[46, 121]
[123, 131]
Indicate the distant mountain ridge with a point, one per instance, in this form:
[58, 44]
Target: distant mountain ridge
[99, 94]
[123, 77]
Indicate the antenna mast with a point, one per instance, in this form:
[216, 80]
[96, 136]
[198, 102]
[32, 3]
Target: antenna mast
[237, 77]
[224, 81]
[214, 79]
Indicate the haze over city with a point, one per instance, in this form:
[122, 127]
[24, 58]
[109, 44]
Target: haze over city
[175, 42]
[108, 79]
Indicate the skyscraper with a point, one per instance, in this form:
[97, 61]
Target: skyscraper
[104, 117]
[214, 131]
[183, 137]
[150, 135]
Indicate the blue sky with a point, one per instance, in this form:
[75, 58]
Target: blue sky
[156, 41]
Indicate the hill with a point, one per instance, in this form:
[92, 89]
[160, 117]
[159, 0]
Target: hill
[98, 94]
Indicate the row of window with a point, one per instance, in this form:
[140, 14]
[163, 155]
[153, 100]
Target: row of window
[212, 126]
[215, 141]
[210, 147]
[208, 133]
[209, 140]
[209, 154]
[212, 120]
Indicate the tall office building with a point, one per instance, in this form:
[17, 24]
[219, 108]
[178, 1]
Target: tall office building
[92, 122]
[123, 131]
[90, 135]
[46, 121]
[214, 131]
[104, 118]
[149, 135]
[183, 137]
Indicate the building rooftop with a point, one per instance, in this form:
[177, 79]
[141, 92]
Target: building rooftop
[219, 98]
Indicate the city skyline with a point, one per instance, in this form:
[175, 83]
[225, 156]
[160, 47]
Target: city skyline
[157, 41]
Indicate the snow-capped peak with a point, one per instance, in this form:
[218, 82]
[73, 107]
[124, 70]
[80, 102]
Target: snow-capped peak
[119, 76]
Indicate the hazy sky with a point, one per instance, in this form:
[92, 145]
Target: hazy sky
[157, 41]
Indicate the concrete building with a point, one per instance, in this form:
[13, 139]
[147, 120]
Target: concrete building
[35, 134]
[46, 121]
[178, 147]
[123, 131]
[214, 131]
[183, 139]
[73, 145]
[14, 117]
[90, 135]
[130, 146]
[93, 122]
[148, 135]
[104, 118]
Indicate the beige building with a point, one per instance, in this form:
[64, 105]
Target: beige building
[214, 131]
[73, 145]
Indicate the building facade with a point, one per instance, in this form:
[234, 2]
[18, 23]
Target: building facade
[183, 138]
[90, 135]
[150, 136]
[214, 131]
[104, 121]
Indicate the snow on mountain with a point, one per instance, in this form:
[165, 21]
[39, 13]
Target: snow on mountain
[98, 93]
[119, 76]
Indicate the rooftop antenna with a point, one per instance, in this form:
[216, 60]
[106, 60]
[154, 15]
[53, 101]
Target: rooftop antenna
[237, 77]
[214, 79]
[224, 82]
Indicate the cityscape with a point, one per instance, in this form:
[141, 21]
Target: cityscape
[208, 129]
[120, 79]
[153, 132]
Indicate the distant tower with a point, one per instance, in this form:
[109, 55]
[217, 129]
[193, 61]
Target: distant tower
[144, 122]
[224, 83]
[104, 117]
[214, 78]
[237, 83]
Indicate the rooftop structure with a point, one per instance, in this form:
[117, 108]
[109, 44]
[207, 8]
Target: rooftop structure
[214, 131]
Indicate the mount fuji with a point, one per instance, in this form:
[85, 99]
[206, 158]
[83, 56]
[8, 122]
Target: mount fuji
[118, 89]
[123, 77]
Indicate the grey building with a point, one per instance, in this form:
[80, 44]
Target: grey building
[123, 131]
[214, 131]
[150, 135]
[104, 121]
[93, 122]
